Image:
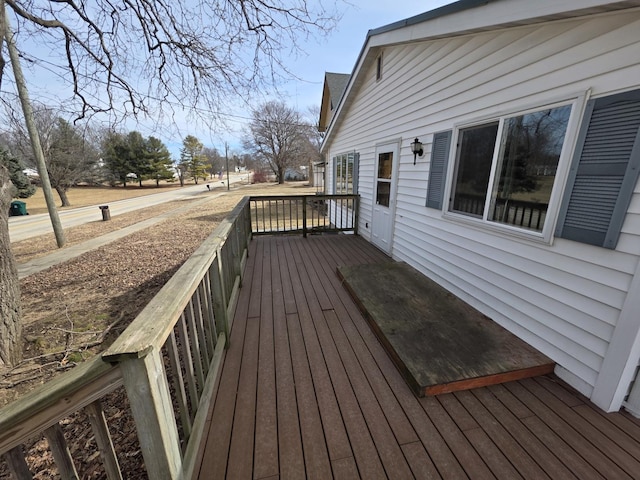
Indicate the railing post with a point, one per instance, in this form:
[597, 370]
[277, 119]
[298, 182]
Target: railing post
[304, 216]
[356, 214]
[148, 394]
[60, 451]
[17, 464]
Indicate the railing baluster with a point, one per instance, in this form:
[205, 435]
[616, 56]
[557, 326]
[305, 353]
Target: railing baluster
[181, 395]
[188, 361]
[220, 300]
[60, 451]
[199, 324]
[194, 344]
[103, 439]
[17, 464]
[304, 219]
[208, 320]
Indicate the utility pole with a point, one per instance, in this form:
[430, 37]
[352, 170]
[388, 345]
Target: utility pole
[226, 156]
[33, 134]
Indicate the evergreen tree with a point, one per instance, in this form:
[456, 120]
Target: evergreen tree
[138, 159]
[116, 157]
[159, 159]
[192, 159]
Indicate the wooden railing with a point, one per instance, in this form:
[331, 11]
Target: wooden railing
[304, 214]
[168, 360]
[169, 357]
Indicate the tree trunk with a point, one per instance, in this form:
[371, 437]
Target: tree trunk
[10, 311]
[62, 193]
[280, 175]
[311, 178]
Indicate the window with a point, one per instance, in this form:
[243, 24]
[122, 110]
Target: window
[379, 67]
[346, 172]
[506, 168]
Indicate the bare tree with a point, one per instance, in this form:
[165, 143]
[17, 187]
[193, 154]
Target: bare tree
[202, 53]
[278, 136]
[70, 158]
[315, 141]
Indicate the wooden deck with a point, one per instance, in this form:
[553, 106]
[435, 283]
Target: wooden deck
[307, 391]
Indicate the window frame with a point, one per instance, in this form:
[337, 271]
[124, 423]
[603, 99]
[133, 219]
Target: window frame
[577, 103]
[354, 173]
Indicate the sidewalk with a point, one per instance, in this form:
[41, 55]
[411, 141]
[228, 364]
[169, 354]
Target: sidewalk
[67, 253]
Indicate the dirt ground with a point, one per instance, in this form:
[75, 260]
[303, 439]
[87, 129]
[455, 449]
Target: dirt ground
[75, 309]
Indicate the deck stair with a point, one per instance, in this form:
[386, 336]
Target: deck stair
[439, 343]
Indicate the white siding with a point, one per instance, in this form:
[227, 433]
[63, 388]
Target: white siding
[564, 298]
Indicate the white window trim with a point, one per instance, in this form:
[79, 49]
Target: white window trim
[578, 104]
[354, 173]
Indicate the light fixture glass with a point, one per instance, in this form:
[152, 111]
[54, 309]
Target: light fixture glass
[416, 149]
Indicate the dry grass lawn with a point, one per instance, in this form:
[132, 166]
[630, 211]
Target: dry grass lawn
[84, 195]
[107, 287]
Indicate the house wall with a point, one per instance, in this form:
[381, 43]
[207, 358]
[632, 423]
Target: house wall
[563, 297]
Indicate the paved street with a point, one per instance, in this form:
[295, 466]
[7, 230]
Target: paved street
[21, 228]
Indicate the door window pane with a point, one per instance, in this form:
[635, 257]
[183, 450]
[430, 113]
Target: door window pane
[385, 165]
[475, 156]
[383, 193]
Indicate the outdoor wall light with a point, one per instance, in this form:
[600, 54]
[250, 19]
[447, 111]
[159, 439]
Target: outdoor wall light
[416, 149]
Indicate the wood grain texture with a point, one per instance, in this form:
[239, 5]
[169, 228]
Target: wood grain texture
[438, 342]
[353, 410]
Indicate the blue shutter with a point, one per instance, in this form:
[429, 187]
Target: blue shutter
[438, 168]
[604, 171]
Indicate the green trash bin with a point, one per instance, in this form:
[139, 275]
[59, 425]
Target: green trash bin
[18, 208]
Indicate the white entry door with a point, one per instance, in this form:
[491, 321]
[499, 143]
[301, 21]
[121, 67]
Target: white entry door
[384, 196]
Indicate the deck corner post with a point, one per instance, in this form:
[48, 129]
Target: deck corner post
[356, 214]
[148, 392]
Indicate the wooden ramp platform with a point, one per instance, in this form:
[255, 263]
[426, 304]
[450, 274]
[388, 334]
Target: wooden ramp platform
[438, 342]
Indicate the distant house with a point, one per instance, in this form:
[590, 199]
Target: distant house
[524, 200]
[334, 86]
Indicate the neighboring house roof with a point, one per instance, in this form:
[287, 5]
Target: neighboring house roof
[334, 86]
[460, 18]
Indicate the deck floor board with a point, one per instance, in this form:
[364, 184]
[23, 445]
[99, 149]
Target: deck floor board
[308, 391]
